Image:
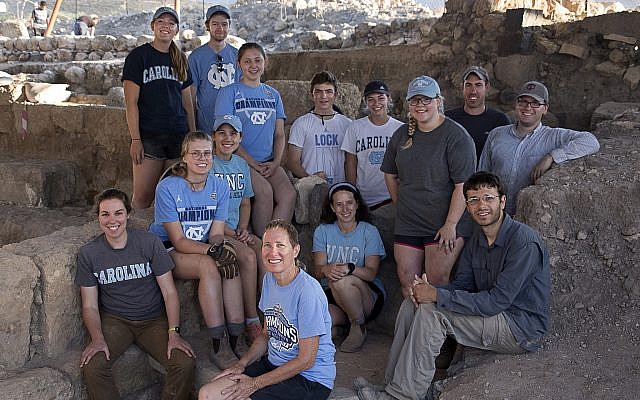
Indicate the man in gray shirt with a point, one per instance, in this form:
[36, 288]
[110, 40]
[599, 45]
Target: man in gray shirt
[521, 153]
[499, 299]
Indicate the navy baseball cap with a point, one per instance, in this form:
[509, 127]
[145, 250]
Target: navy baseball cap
[166, 10]
[232, 120]
[376, 87]
[218, 8]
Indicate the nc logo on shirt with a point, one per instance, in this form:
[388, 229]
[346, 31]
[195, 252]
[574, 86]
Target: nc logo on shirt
[282, 334]
[375, 157]
[259, 118]
[194, 233]
[220, 79]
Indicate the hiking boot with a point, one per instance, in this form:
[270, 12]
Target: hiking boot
[368, 393]
[251, 332]
[224, 357]
[353, 343]
[241, 346]
[360, 383]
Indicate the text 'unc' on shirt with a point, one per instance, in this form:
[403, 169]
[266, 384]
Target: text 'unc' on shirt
[123, 273]
[158, 72]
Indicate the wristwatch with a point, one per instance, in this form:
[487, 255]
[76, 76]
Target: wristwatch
[175, 329]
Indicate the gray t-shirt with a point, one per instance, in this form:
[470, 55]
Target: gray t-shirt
[427, 172]
[126, 277]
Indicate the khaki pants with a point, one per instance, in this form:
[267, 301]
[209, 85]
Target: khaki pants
[151, 336]
[418, 337]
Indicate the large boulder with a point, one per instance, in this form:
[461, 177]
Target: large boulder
[39, 383]
[14, 29]
[19, 280]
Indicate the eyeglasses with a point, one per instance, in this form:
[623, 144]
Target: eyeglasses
[219, 64]
[416, 101]
[534, 104]
[487, 198]
[200, 154]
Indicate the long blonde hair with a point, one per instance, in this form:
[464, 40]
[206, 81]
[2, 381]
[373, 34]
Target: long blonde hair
[178, 61]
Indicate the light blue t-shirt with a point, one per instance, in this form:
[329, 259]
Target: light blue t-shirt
[209, 79]
[236, 173]
[196, 211]
[352, 247]
[297, 311]
[258, 108]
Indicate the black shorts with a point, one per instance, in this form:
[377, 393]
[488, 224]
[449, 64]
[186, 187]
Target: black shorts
[377, 306]
[165, 146]
[418, 242]
[294, 388]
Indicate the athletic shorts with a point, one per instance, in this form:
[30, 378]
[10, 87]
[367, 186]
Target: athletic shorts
[418, 242]
[295, 388]
[166, 146]
[377, 306]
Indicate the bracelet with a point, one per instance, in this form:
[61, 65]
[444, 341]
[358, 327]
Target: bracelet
[135, 139]
[352, 267]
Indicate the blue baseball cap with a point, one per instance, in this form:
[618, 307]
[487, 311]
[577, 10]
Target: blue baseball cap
[166, 10]
[232, 120]
[218, 8]
[423, 86]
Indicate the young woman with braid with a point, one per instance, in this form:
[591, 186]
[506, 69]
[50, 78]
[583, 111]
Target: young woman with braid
[425, 165]
[156, 82]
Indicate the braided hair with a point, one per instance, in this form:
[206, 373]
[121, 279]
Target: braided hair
[411, 130]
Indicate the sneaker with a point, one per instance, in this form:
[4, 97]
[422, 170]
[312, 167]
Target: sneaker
[224, 357]
[251, 332]
[360, 382]
[353, 343]
[368, 393]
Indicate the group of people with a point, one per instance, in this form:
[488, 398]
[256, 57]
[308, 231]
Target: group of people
[207, 144]
[85, 25]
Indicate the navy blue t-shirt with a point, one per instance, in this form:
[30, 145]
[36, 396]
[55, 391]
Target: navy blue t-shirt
[478, 126]
[160, 100]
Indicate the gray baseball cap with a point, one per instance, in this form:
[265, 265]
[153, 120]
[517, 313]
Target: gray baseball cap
[218, 8]
[166, 10]
[536, 90]
[477, 71]
[232, 120]
[424, 86]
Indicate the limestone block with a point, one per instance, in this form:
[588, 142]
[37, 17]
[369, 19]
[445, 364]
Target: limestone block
[122, 54]
[9, 44]
[39, 383]
[438, 53]
[13, 28]
[108, 56]
[142, 39]
[94, 56]
[64, 55]
[20, 44]
[115, 97]
[50, 56]
[574, 50]
[611, 110]
[545, 45]
[198, 41]
[75, 74]
[620, 38]
[46, 44]
[608, 68]
[81, 56]
[32, 43]
[334, 43]
[124, 43]
[35, 183]
[19, 279]
[103, 43]
[83, 43]
[95, 75]
[516, 69]
[65, 42]
[23, 57]
[55, 256]
[492, 22]
[234, 41]
[632, 77]
[304, 187]
[3, 57]
[618, 56]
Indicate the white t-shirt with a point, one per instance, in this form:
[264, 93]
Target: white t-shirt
[320, 142]
[369, 142]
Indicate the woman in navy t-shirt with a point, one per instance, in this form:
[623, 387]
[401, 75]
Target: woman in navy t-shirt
[156, 82]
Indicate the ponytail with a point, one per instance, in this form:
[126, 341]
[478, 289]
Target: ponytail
[411, 130]
[178, 61]
[179, 169]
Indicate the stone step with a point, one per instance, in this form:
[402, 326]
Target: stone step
[42, 183]
[21, 223]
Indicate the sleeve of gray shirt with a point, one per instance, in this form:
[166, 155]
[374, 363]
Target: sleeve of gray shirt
[574, 144]
[520, 264]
